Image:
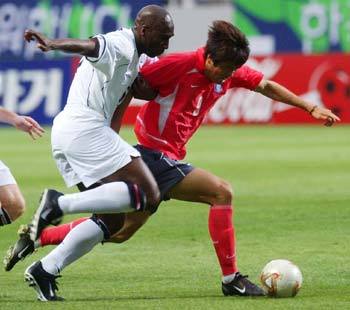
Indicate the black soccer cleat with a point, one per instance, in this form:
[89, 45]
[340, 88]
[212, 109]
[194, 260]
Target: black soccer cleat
[47, 213]
[43, 282]
[22, 248]
[241, 286]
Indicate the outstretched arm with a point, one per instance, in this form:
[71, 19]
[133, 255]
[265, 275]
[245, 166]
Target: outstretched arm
[278, 92]
[88, 47]
[24, 123]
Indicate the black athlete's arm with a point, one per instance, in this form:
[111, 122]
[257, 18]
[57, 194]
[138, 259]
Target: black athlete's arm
[89, 47]
[119, 112]
[140, 89]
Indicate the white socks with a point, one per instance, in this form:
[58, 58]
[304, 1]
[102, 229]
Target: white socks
[108, 198]
[79, 241]
[229, 278]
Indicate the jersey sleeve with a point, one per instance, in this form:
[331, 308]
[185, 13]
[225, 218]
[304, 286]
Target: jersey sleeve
[164, 74]
[109, 53]
[246, 77]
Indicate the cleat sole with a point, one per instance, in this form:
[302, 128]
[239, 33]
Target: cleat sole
[35, 222]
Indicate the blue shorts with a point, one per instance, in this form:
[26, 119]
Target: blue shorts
[167, 172]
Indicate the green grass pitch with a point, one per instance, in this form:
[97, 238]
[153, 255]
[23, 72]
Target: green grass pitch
[292, 200]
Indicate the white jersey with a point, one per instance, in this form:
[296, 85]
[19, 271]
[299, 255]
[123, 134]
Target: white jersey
[100, 84]
[6, 178]
[84, 146]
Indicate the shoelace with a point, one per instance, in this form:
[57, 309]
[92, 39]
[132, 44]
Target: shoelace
[243, 279]
[54, 283]
[241, 276]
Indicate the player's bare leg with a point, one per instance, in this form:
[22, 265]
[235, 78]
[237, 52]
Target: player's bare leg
[132, 223]
[12, 204]
[202, 186]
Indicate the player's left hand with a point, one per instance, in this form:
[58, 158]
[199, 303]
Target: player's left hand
[325, 114]
[142, 90]
[29, 125]
[43, 42]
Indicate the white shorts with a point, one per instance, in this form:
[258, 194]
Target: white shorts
[6, 178]
[87, 150]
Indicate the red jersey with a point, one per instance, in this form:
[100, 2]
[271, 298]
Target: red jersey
[185, 97]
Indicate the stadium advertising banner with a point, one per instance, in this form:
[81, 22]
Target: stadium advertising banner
[37, 83]
[322, 79]
[307, 26]
[36, 88]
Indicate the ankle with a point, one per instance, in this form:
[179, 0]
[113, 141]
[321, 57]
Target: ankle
[228, 278]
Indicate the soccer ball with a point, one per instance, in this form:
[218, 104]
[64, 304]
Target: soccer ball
[281, 278]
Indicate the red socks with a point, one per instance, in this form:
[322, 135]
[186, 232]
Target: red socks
[223, 236]
[55, 235]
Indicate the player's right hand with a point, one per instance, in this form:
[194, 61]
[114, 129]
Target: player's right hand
[325, 114]
[43, 43]
[29, 125]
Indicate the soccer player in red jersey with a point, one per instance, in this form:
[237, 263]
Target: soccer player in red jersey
[187, 85]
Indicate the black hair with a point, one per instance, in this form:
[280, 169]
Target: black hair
[226, 43]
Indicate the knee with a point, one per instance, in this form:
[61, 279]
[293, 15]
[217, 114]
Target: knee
[148, 195]
[133, 222]
[124, 234]
[113, 222]
[119, 238]
[19, 209]
[223, 193]
[14, 205]
[153, 198]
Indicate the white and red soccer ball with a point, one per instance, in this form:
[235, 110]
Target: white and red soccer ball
[281, 278]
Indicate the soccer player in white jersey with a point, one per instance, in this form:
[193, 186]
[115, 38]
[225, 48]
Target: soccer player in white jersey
[12, 203]
[87, 150]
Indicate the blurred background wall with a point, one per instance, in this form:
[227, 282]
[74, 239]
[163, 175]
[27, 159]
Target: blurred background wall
[303, 44]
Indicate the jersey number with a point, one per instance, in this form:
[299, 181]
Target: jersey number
[198, 106]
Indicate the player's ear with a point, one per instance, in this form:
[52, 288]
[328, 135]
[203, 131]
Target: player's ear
[209, 62]
[143, 29]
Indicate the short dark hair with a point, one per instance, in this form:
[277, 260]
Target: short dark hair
[227, 43]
